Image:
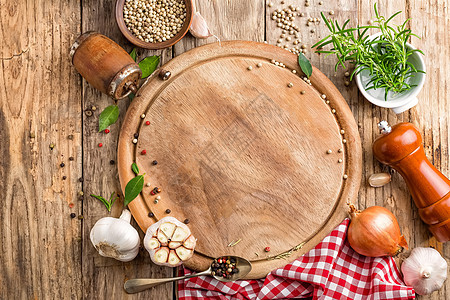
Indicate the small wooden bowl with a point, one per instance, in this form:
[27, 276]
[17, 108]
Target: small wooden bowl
[153, 46]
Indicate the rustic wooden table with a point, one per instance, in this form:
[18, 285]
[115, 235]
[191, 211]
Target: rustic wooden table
[45, 254]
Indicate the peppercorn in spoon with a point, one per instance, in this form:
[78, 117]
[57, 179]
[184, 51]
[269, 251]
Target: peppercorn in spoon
[225, 269]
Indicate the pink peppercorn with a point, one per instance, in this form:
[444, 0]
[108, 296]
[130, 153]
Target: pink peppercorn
[100, 144]
[143, 152]
[147, 123]
[267, 249]
[106, 130]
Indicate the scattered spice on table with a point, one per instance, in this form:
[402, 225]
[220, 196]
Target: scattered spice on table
[168, 211]
[52, 146]
[64, 177]
[70, 136]
[112, 162]
[107, 131]
[71, 158]
[186, 221]
[80, 179]
[267, 249]
[73, 215]
[100, 145]
[147, 123]
[151, 215]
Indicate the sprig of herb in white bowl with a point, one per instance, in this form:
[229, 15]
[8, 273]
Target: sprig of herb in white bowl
[384, 56]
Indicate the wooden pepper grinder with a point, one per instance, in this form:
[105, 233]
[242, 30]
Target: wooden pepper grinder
[401, 148]
[105, 65]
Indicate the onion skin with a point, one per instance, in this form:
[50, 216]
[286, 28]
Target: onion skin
[375, 232]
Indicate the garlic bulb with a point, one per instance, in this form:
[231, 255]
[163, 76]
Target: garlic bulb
[169, 242]
[425, 270]
[115, 237]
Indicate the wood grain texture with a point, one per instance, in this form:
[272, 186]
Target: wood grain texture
[242, 159]
[41, 92]
[103, 278]
[39, 105]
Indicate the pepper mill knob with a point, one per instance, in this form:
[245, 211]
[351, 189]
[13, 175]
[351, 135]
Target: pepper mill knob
[401, 148]
[105, 65]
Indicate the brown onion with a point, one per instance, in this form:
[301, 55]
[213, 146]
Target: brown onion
[375, 232]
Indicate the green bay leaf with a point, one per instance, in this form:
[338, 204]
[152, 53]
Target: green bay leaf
[135, 168]
[133, 188]
[133, 54]
[108, 117]
[305, 65]
[148, 65]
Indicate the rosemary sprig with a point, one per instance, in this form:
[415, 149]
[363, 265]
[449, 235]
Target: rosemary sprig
[108, 203]
[288, 253]
[385, 57]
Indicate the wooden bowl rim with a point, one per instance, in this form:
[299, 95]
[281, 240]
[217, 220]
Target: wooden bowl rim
[153, 46]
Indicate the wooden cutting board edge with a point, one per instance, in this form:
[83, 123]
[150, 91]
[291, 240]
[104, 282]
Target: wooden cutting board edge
[320, 82]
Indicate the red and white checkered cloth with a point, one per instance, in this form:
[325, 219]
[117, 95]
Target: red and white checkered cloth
[332, 270]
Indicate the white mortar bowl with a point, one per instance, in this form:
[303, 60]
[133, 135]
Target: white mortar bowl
[397, 102]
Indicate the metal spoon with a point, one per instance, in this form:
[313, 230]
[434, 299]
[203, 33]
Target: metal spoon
[138, 285]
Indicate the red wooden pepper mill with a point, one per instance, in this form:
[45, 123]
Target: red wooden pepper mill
[401, 148]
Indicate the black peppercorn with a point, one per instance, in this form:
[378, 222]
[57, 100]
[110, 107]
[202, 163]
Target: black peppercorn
[151, 215]
[112, 162]
[62, 165]
[81, 179]
[70, 136]
[186, 221]
[136, 135]
[64, 177]
[154, 162]
[71, 158]
[73, 215]
[168, 211]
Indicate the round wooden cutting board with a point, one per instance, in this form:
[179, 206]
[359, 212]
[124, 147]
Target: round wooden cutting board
[242, 154]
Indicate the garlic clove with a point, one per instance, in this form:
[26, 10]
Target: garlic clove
[115, 237]
[162, 238]
[168, 229]
[153, 244]
[180, 235]
[161, 255]
[183, 253]
[379, 179]
[173, 259]
[174, 245]
[190, 242]
[199, 28]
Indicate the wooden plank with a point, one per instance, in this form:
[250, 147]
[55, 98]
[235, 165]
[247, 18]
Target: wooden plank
[228, 20]
[103, 278]
[39, 105]
[429, 20]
